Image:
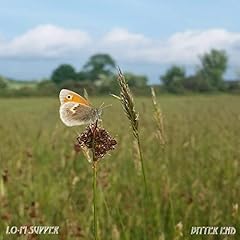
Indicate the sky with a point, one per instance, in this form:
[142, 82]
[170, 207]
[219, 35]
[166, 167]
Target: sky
[144, 37]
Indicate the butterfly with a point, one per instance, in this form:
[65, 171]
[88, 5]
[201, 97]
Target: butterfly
[76, 110]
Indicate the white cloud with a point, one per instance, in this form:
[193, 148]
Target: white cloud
[184, 47]
[47, 41]
[188, 45]
[124, 37]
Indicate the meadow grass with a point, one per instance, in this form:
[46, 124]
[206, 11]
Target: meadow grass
[193, 180]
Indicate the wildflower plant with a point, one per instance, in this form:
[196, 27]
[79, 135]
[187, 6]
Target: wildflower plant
[95, 142]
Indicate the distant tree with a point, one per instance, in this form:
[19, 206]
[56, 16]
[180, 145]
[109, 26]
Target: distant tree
[136, 80]
[3, 82]
[81, 76]
[106, 84]
[98, 64]
[213, 66]
[46, 87]
[197, 83]
[233, 86]
[64, 72]
[173, 79]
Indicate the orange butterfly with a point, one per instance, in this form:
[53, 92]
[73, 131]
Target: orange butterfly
[76, 110]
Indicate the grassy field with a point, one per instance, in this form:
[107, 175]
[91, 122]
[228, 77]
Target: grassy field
[193, 180]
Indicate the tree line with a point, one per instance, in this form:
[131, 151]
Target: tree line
[209, 75]
[98, 76]
[100, 71]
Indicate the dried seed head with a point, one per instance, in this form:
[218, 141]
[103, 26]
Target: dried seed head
[98, 140]
[158, 119]
[178, 230]
[235, 210]
[77, 147]
[5, 176]
[115, 233]
[33, 209]
[6, 216]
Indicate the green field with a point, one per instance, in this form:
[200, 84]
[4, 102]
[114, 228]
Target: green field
[193, 180]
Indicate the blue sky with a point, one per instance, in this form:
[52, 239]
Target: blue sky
[143, 36]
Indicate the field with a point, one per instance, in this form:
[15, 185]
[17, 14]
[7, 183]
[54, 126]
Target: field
[193, 180]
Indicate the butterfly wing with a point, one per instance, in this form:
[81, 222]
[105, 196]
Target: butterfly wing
[66, 95]
[76, 114]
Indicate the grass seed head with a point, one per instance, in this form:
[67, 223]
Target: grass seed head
[158, 116]
[127, 101]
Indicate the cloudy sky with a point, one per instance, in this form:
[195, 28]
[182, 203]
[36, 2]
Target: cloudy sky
[142, 36]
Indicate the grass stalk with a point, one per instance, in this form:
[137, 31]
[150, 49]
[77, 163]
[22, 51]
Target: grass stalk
[142, 164]
[158, 116]
[128, 105]
[95, 228]
[94, 167]
[145, 185]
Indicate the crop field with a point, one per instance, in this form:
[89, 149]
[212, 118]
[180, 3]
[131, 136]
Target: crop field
[194, 180]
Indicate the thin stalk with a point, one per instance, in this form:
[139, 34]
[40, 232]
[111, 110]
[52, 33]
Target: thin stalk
[95, 200]
[142, 165]
[94, 167]
[122, 225]
[145, 186]
[128, 105]
[95, 140]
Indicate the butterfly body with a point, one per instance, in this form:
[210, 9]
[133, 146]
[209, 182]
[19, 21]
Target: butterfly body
[76, 110]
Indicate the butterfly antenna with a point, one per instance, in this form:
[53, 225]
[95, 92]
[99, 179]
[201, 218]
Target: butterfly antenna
[102, 107]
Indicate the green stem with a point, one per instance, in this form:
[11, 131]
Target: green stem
[145, 186]
[95, 200]
[142, 165]
[94, 167]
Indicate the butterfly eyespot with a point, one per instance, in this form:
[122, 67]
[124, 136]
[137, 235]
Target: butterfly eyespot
[69, 97]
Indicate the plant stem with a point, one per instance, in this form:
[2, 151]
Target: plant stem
[94, 167]
[145, 186]
[142, 165]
